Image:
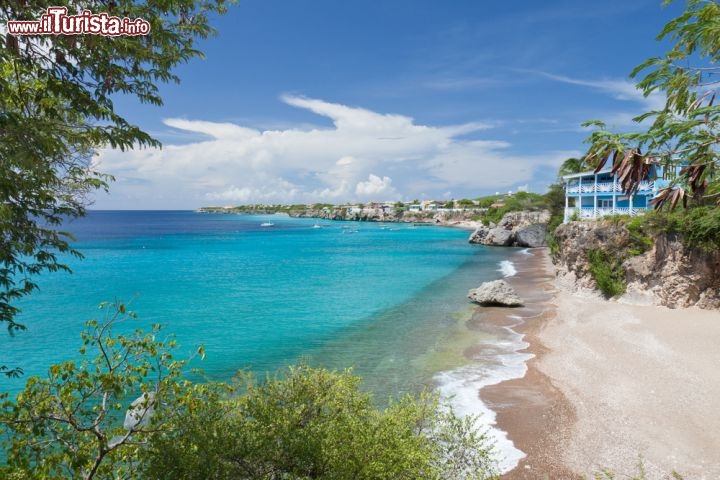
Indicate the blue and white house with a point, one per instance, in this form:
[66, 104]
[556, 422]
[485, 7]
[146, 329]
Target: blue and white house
[590, 195]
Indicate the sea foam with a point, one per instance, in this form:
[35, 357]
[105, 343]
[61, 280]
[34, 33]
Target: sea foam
[501, 360]
[507, 268]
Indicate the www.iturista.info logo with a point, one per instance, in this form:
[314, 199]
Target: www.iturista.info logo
[57, 22]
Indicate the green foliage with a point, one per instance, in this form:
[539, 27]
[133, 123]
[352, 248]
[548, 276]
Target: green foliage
[551, 240]
[684, 133]
[555, 201]
[69, 425]
[56, 111]
[640, 238]
[572, 165]
[512, 203]
[607, 272]
[697, 227]
[485, 202]
[312, 423]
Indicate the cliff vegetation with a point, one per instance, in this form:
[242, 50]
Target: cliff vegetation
[664, 258]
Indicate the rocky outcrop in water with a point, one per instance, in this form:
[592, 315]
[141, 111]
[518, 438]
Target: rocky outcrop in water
[495, 293]
[667, 274]
[519, 229]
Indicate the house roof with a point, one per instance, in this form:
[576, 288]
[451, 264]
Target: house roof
[586, 174]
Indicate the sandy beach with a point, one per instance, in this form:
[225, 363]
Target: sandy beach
[610, 384]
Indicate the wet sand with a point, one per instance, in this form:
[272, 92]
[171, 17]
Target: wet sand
[609, 384]
[531, 410]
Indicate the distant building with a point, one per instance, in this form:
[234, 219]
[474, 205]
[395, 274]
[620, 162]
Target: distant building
[590, 195]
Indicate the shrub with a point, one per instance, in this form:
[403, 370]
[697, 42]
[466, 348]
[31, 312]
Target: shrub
[640, 239]
[312, 423]
[608, 273]
[697, 227]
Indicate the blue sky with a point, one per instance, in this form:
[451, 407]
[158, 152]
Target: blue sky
[331, 101]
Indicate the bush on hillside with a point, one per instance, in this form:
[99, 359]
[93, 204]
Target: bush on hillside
[607, 272]
[312, 423]
[697, 227]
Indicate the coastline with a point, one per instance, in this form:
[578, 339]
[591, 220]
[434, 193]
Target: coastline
[495, 384]
[610, 384]
[535, 414]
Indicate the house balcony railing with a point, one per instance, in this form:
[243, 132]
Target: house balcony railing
[607, 187]
[586, 213]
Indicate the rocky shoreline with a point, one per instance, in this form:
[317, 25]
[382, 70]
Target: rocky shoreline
[468, 218]
[516, 229]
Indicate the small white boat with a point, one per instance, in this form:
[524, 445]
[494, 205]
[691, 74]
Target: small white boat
[316, 226]
[267, 224]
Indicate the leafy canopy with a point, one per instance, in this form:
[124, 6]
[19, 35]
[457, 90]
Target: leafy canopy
[56, 110]
[75, 423]
[312, 423]
[683, 136]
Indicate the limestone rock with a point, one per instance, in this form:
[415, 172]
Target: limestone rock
[499, 237]
[531, 236]
[523, 229]
[518, 220]
[495, 293]
[478, 236]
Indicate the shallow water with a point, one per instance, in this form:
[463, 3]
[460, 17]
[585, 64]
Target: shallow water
[377, 299]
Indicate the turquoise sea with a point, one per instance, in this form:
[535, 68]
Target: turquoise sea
[376, 297]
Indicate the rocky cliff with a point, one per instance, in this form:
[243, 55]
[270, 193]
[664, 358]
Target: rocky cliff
[520, 229]
[368, 214]
[667, 274]
[386, 215]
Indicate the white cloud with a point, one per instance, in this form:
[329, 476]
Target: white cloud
[374, 186]
[618, 89]
[355, 158]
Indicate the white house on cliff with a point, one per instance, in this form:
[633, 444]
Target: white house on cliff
[590, 195]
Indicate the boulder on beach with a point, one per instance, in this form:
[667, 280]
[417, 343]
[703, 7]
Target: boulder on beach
[532, 236]
[495, 293]
[500, 237]
[521, 229]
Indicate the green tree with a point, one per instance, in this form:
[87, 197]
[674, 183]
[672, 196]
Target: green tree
[683, 136]
[312, 423]
[70, 424]
[572, 165]
[485, 202]
[56, 110]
